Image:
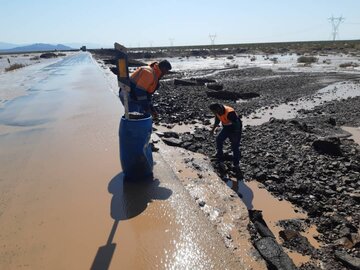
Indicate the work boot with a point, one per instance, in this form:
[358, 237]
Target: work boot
[238, 173]
[217, 157]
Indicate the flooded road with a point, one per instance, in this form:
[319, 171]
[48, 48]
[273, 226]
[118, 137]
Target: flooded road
[63, 201]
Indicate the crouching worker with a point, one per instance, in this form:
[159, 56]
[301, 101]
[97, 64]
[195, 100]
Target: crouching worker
[143, 84]
[232, 127]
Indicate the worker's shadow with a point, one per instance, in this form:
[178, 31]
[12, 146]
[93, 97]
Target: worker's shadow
[130, 198]
[243, 190]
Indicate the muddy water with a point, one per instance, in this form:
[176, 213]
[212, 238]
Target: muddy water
[255, 196]
[63, 202]
[290, 110]
[222, 206]
[179, 128]
[355, 133]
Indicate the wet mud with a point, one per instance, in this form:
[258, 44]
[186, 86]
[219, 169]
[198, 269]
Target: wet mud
[303, 157]
[284, 154]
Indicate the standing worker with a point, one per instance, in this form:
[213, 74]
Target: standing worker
[143, 84]
[232, 127]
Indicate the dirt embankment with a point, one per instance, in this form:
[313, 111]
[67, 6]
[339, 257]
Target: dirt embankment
[309, 161]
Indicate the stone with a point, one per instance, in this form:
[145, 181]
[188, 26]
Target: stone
[347, 260]
[215, 86]
[274, 254]
[172, 141]
[327, 146]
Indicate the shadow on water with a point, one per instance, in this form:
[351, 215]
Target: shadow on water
[130, 198]
[243, 190]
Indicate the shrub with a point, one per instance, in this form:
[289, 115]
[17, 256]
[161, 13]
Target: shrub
[48, 55]
[14, 66]
[348, 64]
[274, 60]
[35, 58]
[307, 59]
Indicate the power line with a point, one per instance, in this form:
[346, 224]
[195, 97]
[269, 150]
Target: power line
[335, 22]
[212, 38]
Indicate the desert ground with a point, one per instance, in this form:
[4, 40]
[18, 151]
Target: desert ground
[64, 203]
[300, 143]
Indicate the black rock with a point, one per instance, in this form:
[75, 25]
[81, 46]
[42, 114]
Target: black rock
[330, 146]
[274, 254]
[349, 261]
[215, 86]
[172, 141]
[185, 82]
[170, 134]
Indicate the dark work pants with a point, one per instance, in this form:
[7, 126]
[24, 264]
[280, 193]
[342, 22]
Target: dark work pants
[234, 138]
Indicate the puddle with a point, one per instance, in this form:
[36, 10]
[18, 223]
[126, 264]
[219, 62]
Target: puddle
[259, 198]
[290, 110]
[222, 206]
[179, 128]
[254, 197]
[355, 133]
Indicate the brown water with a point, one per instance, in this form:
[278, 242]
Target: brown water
[336, 91]
[179, 128]
[355, 133]
[257, 197]
[223, 207]
[63, 201]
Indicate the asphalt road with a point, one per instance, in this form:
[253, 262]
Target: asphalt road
[63, 201]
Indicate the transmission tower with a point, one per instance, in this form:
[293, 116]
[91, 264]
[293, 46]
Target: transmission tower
[335, 22]
[212, 38]
[171, 42]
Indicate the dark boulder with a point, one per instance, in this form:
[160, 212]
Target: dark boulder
[329, 146]
[185, 82]
[274, 255]
[224, 95]
[228, 95]
[48, 55]
[249, 95]
[171, 134]
[260, 224]
[215, 86]
[349, 261]
[203, 80]
[172, 141]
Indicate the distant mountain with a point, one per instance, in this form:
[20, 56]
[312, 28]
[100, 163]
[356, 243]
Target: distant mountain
[39, 47]
[6, 46]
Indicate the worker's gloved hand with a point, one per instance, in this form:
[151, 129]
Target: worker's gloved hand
[124, 87]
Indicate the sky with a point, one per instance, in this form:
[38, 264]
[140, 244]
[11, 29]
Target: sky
[151, 23]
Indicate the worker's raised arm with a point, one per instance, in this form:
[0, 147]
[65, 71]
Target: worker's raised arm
[216, 124]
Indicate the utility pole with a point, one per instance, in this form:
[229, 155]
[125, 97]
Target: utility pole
[335, 22]
[212, 38]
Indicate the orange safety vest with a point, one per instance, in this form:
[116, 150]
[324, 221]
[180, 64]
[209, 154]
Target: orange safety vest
[146, 78]
[223, 118]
